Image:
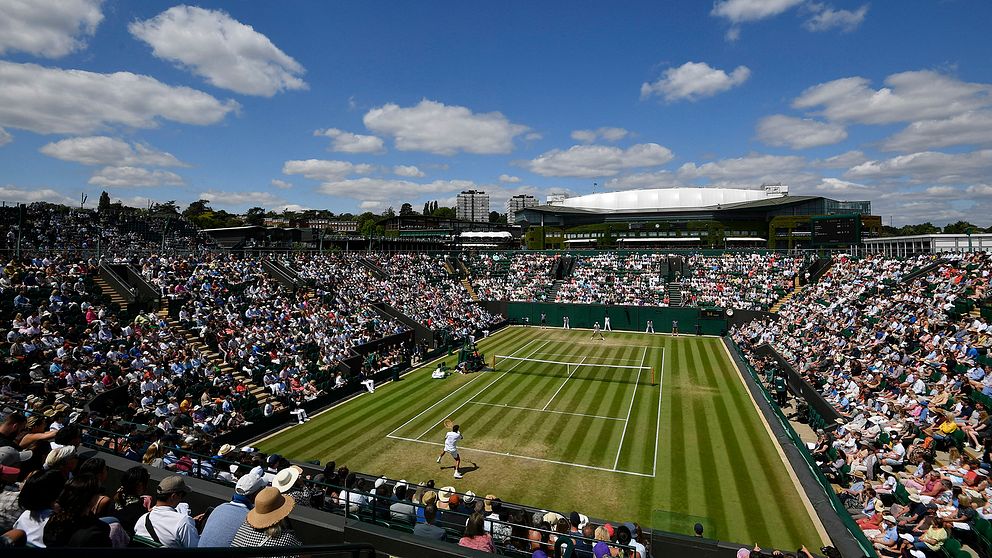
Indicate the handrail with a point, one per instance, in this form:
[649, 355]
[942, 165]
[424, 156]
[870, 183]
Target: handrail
[118, 283]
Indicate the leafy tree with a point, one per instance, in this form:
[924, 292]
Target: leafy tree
[961, 227]
[444, 212]
[104, 203]
[255, 216]
[407, 209]
[197, 208]
[427, 208]
[389, 212]
[494, 217]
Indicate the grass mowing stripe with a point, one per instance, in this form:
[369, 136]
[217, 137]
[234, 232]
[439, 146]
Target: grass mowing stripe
[674, 444]
[756, 519]
[771, 470]
[700, 434]
[412, 387]
[612, 395]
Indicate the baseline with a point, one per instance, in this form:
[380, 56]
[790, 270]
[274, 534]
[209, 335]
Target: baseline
[527, 457]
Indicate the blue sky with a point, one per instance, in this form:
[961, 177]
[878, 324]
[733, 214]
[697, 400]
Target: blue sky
[364, 105]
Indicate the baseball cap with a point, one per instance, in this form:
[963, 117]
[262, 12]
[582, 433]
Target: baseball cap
[172, 485]
[249, 484]
[11, 457]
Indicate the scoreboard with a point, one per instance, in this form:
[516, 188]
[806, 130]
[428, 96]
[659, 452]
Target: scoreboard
[836, 230]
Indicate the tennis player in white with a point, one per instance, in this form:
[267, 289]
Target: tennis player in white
[451, 440]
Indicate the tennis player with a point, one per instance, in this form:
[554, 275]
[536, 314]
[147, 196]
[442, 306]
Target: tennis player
[451, 440]
[596, 331]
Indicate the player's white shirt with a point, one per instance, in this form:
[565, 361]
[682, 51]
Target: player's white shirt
[451, 441]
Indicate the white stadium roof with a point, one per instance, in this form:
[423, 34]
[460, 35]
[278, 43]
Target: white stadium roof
[668, 198]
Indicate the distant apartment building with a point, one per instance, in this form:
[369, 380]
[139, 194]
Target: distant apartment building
[516, 203]
[473, 205]
[556, 198]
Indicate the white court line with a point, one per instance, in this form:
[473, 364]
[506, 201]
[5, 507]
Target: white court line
[507, 454]
[478, 393]
[630, 360]
[657, 428]
[544, 411]
[631, 408]
[563, 384]
[447, 396]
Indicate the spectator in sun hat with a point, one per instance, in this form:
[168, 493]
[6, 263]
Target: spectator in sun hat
[292, 482]
[169, 523]
[496, 520]
[228, 517]
[63, 460]
[267, 524]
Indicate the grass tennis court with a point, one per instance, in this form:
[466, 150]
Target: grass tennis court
[567, 422]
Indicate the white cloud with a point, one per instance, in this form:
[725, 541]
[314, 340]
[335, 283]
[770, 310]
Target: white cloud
[409, 171]
[693, 81]
[838, 186]
[266, 200]
[750, 171]
[442, 129]
[125, 177]
[909, 96]
[533, 136]
[605, 133]
[103, 150]
[220, 49]
[48, 28]
[281, 184]
[387, 190]
[825, 18]
[509, 179]
[844, 160]
[969, 128]
[592, 161]
[929, 166]
[347, 142]
[657, 179]
[5, 137]
[13, 194]
[739, 11]
[799, 133]
[56, 101]
[585, 136]
[321, 169]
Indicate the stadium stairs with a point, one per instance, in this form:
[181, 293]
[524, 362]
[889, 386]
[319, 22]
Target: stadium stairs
[468, 287]
[376, 270]
[778, 304]
[674, 295]
[262, 396]
[115, 293]
[553, 291]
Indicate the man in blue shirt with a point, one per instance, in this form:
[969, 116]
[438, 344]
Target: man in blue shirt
[226, 518]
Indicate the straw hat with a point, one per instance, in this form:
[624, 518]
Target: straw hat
[445, 493]
[225, 449]
[271, 507]
[285, 479]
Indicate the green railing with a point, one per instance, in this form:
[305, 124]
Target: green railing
[835, 503]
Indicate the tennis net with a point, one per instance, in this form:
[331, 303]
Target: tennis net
[623, 373]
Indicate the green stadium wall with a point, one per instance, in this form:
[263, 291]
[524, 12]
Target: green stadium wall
[622, 318]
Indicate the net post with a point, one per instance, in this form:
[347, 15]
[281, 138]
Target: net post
[652, 376]
[494, 362]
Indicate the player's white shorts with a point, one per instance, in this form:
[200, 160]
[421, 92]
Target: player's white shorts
[454, 454]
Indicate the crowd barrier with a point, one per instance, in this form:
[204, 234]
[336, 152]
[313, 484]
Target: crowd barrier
[622, 318]
[865, 546]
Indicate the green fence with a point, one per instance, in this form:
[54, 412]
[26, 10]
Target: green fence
[835, 503]
[622, 318]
